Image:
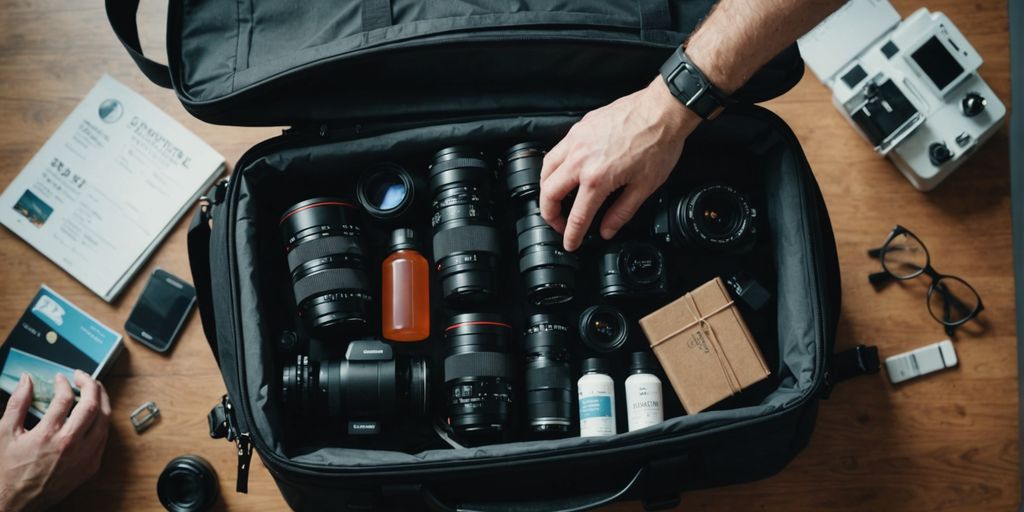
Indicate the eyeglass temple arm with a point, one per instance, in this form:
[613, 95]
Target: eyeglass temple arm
[880, 278]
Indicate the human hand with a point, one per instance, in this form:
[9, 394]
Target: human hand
[632, 143]
[40, 467]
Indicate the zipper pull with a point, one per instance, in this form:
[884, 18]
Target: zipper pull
[244, 445]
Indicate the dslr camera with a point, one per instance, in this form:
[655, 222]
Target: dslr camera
[367, 387]
[910, 87]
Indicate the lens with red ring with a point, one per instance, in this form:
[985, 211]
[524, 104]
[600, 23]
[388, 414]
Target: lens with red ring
[327, 263]
[477, 373]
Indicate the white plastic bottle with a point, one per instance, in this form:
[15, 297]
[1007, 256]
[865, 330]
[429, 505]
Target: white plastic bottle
[597, 399]
[644, 406]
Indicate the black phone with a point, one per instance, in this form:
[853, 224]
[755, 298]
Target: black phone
[161, 311]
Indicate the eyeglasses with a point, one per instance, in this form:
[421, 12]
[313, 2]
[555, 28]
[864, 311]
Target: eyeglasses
[951, 301]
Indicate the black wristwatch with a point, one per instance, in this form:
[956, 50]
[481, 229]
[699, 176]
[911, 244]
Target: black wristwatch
[689, 85]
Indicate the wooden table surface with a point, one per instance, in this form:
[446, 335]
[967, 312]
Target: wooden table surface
[945, 442]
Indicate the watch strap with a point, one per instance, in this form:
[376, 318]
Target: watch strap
[691, 87]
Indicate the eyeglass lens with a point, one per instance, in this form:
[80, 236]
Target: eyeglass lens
[904, 256]
[952, 301]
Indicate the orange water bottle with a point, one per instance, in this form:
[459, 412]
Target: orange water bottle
[406, 287]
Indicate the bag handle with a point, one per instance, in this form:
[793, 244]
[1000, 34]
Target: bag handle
[121, 14]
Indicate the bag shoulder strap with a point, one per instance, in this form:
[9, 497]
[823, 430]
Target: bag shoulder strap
[121, 14]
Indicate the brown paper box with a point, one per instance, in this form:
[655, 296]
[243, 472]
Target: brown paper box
[705, 361]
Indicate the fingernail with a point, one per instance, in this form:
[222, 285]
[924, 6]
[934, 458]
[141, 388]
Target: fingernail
[80, 373]
[60, 376]
[24, 379]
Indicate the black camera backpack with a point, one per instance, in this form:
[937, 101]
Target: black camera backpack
[365, 80]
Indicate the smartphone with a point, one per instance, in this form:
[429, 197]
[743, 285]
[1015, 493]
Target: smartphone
[160, 313]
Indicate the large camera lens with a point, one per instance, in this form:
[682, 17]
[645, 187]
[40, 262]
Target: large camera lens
[548, 272]
[712, 217]
[523, 163]
[465, 239]
[603, 328]
[633, 270]
[548, 384]
[369, 385]
[387, 192]
[477, 373]
[327, 263]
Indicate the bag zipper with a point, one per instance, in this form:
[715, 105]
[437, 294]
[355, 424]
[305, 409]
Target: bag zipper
[317, 472]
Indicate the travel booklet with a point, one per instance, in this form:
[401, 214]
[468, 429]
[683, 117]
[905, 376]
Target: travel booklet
[108, 186]
[53, 336]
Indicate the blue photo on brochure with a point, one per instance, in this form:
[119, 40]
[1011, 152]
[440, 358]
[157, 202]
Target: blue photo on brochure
[54, 336]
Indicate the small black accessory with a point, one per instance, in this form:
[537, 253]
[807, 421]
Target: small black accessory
[603, 328]
[595, 364]
[188, 484]
[951, 301]
[689, 85]
[387, 191]
[159, 314]
[632, 270]
[402, 238]
[748, 290]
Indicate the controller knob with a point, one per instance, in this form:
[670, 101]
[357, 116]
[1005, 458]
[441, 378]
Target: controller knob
[973, 104]
[939, 154]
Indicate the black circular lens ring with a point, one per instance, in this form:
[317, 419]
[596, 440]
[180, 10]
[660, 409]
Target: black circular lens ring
[201, 484]
[630, 250]
[686, 213]
[369, 178]
[934, 288]
[622, 330]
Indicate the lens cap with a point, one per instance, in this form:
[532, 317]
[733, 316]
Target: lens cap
[188, 484]
[641, 362]
[595, 364]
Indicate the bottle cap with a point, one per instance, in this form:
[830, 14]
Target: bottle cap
[595, 364]
[402, 238]
[641, 362]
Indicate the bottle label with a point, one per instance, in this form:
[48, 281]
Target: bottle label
[595, 407]
[644, 405]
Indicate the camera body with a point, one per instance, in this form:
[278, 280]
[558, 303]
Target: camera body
[910, 87]
[368, 386]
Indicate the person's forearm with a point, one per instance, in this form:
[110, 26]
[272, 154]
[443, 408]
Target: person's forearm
[740, 36]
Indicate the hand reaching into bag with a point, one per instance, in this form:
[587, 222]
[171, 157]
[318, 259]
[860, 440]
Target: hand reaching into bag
[40, 467]
[632, 144]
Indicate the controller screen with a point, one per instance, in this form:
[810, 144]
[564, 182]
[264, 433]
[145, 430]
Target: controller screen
[936, 62]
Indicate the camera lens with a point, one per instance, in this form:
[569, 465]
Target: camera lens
[523, 163]
[465, 239]
[476, 372]
[548, 382]
[369, 384]
[603, 328]
[548, 272]
[187, 484]
[633, 270]
[327, 263]
[386, 191]
[712, 217]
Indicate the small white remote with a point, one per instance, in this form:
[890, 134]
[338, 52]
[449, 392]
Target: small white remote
[921, 361]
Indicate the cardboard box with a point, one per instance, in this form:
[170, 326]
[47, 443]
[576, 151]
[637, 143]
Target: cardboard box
[704, 346]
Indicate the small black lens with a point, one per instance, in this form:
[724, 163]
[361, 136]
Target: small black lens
[188, 484]
[603, 328]
[712, 217]
[327, 263]
[632, 270]
[387, 191]
[476, 372]
[523, 163]
[548, 381]
[465, 240]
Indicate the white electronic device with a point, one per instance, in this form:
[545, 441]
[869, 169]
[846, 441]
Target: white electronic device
[921, 361]
[910, 87]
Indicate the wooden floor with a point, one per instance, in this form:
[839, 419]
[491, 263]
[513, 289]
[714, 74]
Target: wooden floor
[946, 442]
